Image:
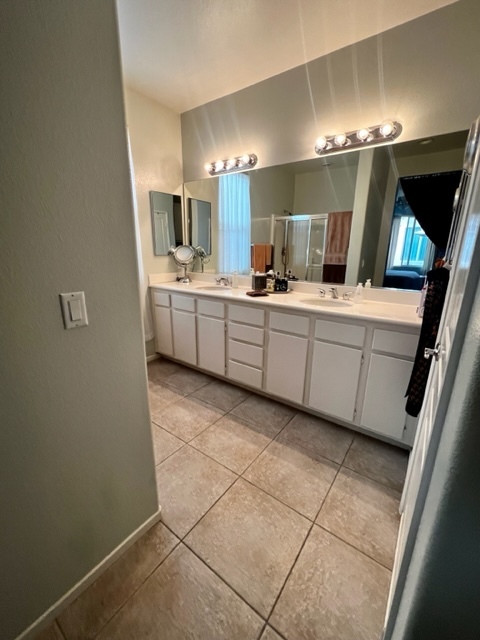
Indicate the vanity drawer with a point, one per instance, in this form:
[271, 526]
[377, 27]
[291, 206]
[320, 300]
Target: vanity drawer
[289, 323]
[161, 299]
[350, 334]
[243, 373]
[246, 353]
[247, 315]
[184, 303]
[209, 308]
[400, 344]
[247, 334]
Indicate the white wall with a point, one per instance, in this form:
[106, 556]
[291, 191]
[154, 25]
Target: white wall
[324, 191]
[271, 193]
[77, 474]
[423, 73]
[155, 141]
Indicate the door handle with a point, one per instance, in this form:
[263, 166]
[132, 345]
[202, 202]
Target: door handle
[428, 353]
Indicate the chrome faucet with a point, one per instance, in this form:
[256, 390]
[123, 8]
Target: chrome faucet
[334, 292]
[223, 282]
[321, 292]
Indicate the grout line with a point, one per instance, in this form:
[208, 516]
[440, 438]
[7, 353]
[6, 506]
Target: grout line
[302, 546]
[333, 482]
[177, 544]
[60, 630]
[184, 444]
[277, 499]
[352, 546]
[382, 484]
[224, 581]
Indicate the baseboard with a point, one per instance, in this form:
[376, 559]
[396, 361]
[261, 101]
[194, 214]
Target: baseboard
[49, 616]
[154, 357]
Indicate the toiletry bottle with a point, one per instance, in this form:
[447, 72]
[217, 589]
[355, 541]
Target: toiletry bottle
[359, 293]
[235, 280]
[368, 284]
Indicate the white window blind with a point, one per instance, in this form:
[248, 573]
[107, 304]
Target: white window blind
[234, 223]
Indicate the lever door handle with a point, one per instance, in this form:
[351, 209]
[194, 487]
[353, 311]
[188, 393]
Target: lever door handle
[428, 353]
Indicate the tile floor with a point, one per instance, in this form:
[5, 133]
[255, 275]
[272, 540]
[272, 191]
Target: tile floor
[275, 524]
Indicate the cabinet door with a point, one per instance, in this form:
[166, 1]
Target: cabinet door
[384, 406]
[163, 331]
[184, 338]
[286, 364]
[334, 382]
[211, 344]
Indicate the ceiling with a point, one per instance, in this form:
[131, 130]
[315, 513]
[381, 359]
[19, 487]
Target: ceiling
[184, 53]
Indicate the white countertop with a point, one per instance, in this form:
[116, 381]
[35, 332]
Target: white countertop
[368, 310]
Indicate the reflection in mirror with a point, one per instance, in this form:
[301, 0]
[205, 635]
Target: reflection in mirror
[199, 224]
[166, 210]
[354, 192]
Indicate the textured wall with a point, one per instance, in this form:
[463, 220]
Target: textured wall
[423, 73]
[76, 462]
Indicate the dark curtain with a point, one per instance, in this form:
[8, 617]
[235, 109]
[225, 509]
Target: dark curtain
[431, 199]
[437, 280]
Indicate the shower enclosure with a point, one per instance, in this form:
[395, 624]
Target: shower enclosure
[299, 245]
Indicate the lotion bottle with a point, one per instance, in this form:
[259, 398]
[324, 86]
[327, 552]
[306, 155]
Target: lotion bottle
[359, 293]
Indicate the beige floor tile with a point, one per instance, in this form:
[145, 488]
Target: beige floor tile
[333, 592]
[223, 395]
[160, 369]
[84, 618]
[187, 380]
[188, 484]
[52, 632]
[264, 412]
[160, 396]
[187, 418]
[184, 600]
[251, 540]
[164, 443]
[318, 436]
[378, 460]
[364, 513]
[295, 476]
[270, 634]
[233, 442]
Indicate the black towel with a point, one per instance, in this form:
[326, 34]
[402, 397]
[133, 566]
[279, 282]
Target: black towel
[437, 280]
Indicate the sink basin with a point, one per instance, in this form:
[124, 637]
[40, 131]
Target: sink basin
[327, 302]
[214, 287]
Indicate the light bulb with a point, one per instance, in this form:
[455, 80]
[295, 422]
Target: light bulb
[208, 166]
[245, 159]
[387, 128]
[219, 164]
[321, 143]
[340, 139]
[363, 134]
[231, 163]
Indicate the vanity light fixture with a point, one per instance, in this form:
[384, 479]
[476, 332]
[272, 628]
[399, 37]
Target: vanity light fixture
[378, 134]
[240, 163]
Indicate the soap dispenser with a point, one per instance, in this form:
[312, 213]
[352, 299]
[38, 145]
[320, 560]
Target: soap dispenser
[359, 293]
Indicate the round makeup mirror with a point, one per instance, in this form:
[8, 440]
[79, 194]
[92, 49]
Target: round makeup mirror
[184, 255]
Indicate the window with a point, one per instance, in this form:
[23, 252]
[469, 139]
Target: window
[410, 249]
[234, 223]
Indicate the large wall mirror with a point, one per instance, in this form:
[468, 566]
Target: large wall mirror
[341, 218]
[166, 210]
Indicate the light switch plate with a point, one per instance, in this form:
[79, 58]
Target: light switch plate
[73, 309]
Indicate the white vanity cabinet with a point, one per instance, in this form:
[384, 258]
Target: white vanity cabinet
[387, 381]
[287, 355]
[211, 336]
[352, 370]
[246, 338]
[336, 364]
[184, 329]
[163, 323]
